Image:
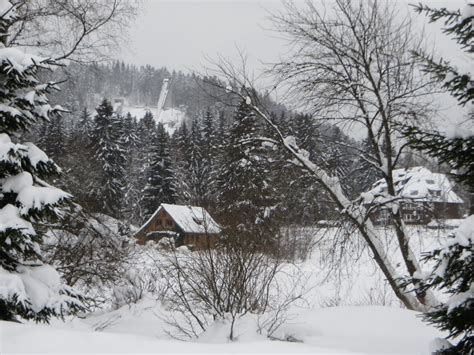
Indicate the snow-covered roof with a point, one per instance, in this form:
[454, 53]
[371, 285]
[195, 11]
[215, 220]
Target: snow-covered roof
[420, 184]
[190, 219]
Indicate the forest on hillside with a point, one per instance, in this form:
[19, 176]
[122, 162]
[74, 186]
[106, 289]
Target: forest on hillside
[151, 167]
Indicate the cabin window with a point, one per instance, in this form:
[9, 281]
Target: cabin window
[169, 223]
[414, 192]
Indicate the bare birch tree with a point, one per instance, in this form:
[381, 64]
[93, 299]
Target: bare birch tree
[351, 63]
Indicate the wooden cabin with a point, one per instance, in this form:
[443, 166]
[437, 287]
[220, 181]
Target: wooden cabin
[424, 196]
[186, 225]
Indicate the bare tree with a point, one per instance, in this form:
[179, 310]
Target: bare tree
[351, 63]
[88, 252]
[77, 30]
[224, 284]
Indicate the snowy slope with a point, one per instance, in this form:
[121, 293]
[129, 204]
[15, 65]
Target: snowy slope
[170, 118]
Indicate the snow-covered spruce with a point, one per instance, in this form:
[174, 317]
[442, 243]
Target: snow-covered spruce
[454, 263]
[28, 288]
[160, 187]
[108, 149]
[247, 196]
[453, 273]
[455, 146]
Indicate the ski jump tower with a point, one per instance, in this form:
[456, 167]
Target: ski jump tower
[163, 96]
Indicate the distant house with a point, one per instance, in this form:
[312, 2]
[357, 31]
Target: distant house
[425, 196]
[187, 225]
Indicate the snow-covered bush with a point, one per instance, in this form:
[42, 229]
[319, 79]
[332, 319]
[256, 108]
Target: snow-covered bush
[90, 251]
[134, 286]
[28, 287]
[224, 284]
[166, 244]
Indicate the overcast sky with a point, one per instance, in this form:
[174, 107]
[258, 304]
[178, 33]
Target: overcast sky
[179, 34]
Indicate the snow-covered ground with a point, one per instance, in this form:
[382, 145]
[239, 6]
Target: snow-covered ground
[366, 330]
[348, 308]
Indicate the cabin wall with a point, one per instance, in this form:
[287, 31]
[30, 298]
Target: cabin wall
[421, 213]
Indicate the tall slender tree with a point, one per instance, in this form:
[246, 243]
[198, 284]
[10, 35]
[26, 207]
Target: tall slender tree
[246, 195]
[160, 187]
[85, 123]
[109, 154]
[209, 156]
[197, 165]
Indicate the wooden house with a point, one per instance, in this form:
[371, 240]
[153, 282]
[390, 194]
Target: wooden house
[187, 225]
[424, 196]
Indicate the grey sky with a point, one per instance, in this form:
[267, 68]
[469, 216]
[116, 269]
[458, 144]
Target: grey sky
[179, 34]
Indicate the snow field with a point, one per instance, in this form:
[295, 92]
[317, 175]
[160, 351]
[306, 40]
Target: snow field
[346, 309]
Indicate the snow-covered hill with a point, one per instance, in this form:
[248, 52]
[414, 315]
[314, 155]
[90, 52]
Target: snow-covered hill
[171, 118]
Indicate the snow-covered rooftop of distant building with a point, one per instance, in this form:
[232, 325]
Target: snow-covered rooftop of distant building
[420, 184]
[190, 219]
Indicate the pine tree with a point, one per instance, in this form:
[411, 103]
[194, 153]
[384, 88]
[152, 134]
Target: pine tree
[160, 187]
[55, 144]
[453, 270]
[146, 130]
[453, 273]
[208, 138]
[33, 289]
[457, 151]
[132, 190]
[85, 124]
[180, 144]
[129, 134]
[246, 195]
[306, 133]
[196, 165]
[109, 155]
[83, 172]
[209, 151]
